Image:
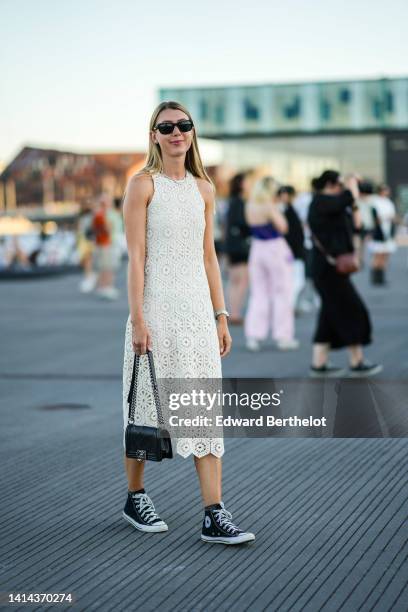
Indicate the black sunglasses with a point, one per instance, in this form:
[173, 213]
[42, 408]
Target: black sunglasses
[167, 127]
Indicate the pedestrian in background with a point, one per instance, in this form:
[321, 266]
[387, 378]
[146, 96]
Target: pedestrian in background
[296, 240]
[382, 243]
[118, 233]
[270, 305]
[14, 254]
[308, 299]
[365, 206]
[343, 320]
[85, 245]
[237, 242]
[105, 262]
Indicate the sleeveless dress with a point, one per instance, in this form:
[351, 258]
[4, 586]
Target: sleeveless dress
[177, 306]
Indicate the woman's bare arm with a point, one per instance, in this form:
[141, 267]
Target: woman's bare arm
[138, 194]
[278, 219]
[212, 268]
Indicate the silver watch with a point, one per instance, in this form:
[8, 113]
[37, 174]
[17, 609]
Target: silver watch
[217, 313]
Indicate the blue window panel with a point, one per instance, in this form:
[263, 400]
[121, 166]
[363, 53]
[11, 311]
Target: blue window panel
[344, 96]
[389, 102]
[251, 111]
[292, 111]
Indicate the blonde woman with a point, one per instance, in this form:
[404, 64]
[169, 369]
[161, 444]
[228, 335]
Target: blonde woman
[176, 304]
[270, 265]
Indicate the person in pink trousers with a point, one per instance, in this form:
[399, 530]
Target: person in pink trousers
[270, 306]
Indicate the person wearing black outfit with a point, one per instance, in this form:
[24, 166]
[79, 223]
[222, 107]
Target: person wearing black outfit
[295, 238]
[343, 320]
[237, 242]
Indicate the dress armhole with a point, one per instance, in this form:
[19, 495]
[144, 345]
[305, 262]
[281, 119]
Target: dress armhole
[153, 179]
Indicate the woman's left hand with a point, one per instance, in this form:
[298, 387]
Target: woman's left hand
[224, 336]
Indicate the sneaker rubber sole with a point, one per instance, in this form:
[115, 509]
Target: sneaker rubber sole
[366, 373]
[254, 347]
[146, 528]
[240, 539]
[291, 345]
[341, 372]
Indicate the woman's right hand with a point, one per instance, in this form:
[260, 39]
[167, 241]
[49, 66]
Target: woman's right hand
[351, 183]
[141, 339]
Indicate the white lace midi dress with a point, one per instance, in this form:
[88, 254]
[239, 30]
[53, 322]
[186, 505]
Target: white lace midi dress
[177, 306]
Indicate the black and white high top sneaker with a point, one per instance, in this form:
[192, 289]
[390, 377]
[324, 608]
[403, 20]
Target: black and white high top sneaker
[218, 527]
[139, 511]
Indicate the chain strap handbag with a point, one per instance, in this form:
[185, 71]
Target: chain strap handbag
[142, 441]
[347, 263]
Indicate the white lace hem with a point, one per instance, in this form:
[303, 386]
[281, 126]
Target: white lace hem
[199, 447]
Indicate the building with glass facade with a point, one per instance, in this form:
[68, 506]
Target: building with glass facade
[298, 129]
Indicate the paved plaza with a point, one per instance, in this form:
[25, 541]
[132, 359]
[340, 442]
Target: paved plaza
[330, 515]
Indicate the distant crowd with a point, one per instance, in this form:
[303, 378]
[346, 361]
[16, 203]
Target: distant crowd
[283, 254]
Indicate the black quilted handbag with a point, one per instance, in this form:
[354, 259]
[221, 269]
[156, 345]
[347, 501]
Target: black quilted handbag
[142, 441]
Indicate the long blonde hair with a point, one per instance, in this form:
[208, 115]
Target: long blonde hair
[264, 190]
[154, 162]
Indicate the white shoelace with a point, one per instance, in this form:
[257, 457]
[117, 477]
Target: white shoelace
[145, 507]
[223, 518]
[225, 510]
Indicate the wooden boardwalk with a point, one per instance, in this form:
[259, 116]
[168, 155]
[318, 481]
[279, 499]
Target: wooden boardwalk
[330, 515]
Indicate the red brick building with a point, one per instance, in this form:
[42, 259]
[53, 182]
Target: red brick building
[40, 176]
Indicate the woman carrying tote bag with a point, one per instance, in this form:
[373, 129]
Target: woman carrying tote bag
[176, 304]
[343, 320]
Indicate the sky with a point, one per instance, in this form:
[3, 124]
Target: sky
[84, 74]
